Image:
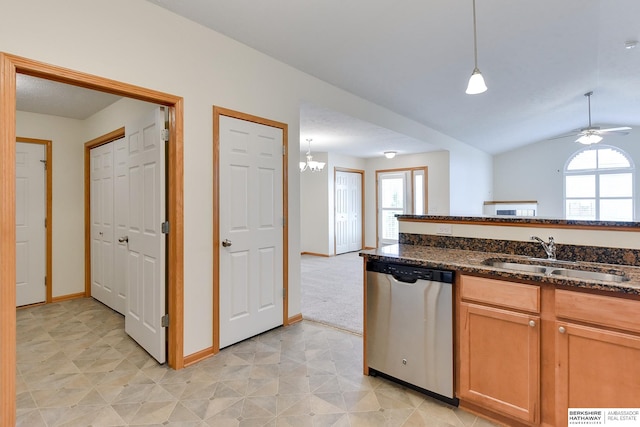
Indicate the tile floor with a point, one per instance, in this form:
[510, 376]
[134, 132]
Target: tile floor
[77, 367]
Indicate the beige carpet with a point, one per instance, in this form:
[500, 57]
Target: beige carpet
[332, 290]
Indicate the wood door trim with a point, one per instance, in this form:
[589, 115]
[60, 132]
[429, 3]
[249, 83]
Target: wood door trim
[10, 65]
[48, 212]
[217, 112]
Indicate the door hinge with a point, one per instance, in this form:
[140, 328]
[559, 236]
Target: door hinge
[44, 163]
[45, 281]
[284, 221]
[284, 293]
[284, 150]
[164, 134]
[165, 321]
[165, 227]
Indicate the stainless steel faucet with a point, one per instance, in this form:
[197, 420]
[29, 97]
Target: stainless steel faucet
[549, 247]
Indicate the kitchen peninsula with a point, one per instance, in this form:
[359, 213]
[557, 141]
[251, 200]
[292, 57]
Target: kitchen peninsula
[533, 336]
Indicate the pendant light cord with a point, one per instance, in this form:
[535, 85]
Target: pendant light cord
[475, 37]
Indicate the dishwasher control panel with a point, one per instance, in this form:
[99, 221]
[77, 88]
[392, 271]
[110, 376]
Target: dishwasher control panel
[410, 273]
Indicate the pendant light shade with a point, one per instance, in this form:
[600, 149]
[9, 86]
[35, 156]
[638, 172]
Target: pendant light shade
[476, 81]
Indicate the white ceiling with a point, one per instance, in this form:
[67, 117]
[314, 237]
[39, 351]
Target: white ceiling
[538, 58]
[42, 96]
[414, 57]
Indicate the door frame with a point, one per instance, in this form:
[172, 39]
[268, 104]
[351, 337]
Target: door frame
[10, 65]
[217, 112]
[97, 142]
[362, 213]
[48, 212]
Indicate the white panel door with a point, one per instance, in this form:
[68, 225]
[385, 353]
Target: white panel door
[30, 224]
[251, 226]
[101, 175]
[348, 217]
[120, 219]
[146, 293]
[341, 188]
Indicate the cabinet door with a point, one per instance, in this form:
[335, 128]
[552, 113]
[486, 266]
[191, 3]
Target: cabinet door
[500, 360]
[595, 368]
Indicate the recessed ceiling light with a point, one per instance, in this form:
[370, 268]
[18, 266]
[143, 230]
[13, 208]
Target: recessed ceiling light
[630, 44]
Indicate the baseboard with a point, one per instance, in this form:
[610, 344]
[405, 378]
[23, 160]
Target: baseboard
[315, 254]
[294, 319]
[22, 307]
[369, 247]
[68, 297]
[198, 356]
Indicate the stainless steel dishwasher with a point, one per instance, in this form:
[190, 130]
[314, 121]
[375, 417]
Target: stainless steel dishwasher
[409, 316]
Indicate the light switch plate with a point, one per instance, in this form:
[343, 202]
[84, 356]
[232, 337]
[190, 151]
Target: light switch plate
[444, 229]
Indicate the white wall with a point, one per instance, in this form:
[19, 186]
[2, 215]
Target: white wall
[471, 181]
[536, 171]
[115, 116]
[156, 49]
[314, 207]
[67, 179]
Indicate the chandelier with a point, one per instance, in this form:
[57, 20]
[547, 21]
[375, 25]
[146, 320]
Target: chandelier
[310, 164]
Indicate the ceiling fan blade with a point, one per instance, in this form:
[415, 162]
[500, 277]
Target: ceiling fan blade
[618, 129]
[561, 136]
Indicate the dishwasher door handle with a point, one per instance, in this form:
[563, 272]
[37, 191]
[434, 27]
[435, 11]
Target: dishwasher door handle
[409, 280]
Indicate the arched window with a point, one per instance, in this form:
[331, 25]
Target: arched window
[598, 185]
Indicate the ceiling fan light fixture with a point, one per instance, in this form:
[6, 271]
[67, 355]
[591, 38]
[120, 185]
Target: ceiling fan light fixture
[589, 138]
[389, 154]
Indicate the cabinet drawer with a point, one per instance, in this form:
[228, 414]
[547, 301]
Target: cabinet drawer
[597, 309]
[498, 292]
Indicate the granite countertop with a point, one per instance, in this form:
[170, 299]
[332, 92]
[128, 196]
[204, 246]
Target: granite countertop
[467, 261]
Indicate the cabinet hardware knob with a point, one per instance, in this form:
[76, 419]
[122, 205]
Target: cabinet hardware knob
[562, 330]
[532, 323]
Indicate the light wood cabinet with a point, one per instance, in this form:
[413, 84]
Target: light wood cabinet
[597, 359]
[499, 347]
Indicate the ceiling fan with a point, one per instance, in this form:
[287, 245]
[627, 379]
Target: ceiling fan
[593, 134]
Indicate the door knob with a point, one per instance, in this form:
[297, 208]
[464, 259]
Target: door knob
[124, 239]
[226, 243]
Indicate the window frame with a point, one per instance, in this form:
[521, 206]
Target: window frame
[597, 173]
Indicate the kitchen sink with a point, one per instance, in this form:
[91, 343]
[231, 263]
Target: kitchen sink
[557, 271]
[589, 275]
[530, 268]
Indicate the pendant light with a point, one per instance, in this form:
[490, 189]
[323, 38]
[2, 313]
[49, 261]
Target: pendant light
[476, 81]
